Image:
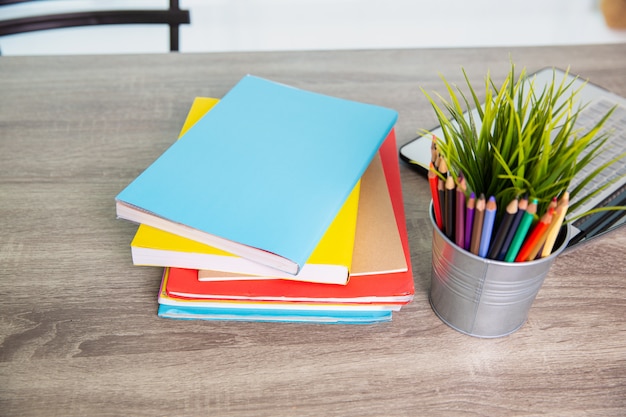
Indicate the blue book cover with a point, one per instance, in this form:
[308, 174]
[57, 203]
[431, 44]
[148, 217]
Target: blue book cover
[278, 315]
[263, 174]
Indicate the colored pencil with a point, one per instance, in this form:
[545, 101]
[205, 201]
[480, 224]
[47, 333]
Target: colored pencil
[434, 154]
[469, 220]
[477, 228]
[521, 209]
[555, 226]
[441, 194]
[450, 207]
[459, 229]
[490, 218]
[534, 236]
[505, 225]
[538, 245]
[433, 180]
[522, 231]
[441, 187]
[442, 167]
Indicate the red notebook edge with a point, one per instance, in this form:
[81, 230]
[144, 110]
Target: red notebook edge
[391, 166]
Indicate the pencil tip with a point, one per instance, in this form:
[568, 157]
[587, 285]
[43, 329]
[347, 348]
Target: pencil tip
[443, 166]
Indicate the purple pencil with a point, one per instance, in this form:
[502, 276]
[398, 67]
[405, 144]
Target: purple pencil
[469, 220]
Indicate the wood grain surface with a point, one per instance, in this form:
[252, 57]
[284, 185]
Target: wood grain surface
[79, 332]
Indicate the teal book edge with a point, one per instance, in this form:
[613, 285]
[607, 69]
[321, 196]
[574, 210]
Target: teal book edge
[278, 315]
[263, 174]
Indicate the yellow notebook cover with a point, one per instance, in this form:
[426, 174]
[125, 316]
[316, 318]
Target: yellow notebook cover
[329, 263]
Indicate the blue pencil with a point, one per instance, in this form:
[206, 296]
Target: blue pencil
[490, 217]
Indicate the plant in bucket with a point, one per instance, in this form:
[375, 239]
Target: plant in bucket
[501, 182]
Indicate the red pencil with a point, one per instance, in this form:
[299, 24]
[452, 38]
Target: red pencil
[536, 235]
[540, 242]
[433, 179]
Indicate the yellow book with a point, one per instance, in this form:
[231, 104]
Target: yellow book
[329, 263]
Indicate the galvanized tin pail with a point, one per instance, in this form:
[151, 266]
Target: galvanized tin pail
[482, 297]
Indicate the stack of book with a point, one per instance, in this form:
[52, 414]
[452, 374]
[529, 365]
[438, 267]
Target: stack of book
[275, 204]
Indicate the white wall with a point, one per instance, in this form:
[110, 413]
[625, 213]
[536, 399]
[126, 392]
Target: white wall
[251, 25]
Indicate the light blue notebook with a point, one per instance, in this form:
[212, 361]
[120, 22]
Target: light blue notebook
[263, 174]
[279, 315]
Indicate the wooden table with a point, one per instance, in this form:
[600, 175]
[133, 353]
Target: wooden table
[78, 326]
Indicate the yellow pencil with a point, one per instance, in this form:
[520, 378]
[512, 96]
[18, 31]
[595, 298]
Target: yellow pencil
[555, 225]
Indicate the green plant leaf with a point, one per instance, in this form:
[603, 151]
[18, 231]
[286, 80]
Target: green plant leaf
[526, 142]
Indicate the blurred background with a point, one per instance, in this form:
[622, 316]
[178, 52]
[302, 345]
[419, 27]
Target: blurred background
[261, 25]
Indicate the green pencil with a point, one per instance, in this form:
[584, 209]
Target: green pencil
[522, 230]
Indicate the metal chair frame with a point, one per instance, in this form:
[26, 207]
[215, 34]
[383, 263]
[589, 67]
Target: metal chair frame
[173, 17]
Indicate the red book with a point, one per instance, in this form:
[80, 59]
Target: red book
[391, 288]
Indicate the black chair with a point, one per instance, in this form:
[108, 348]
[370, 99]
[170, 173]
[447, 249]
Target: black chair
[173, 17]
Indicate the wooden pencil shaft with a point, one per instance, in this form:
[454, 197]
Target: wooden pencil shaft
[469, 221]
[479, 217]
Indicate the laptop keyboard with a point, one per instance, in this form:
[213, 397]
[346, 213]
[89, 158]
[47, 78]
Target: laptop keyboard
[614, 146]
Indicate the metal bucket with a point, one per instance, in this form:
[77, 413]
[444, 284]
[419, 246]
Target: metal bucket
[483, 297]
